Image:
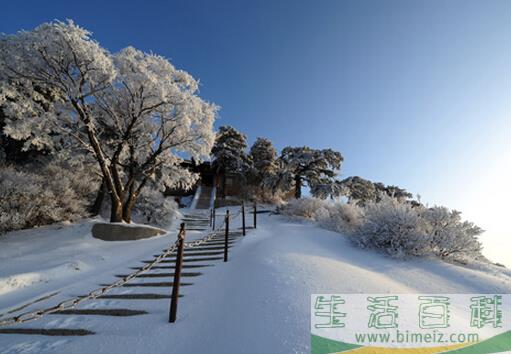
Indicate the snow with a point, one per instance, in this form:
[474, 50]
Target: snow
[196, 197]
[39, 261]
[258, 302]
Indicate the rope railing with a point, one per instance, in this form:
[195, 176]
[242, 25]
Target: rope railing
[74, 302]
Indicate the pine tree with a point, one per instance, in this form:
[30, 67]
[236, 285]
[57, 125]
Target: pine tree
[229, 154]
[263, 156]
[361, 191]
[305, 165]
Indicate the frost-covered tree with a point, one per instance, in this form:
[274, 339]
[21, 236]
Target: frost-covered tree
[228, 154]
[263, 155]
[359, 190]
[393, 227]
[152, 114]
[311, 166]
[449, 235]
[51, 193]
[327, 189]
[392, 191]
[15, 151]
[154, 208]
[362, 191]
[134, 113]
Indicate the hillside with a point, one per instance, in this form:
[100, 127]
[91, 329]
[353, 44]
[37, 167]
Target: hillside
[258, 302]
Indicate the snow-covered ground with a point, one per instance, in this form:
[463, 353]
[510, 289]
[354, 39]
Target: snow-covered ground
[258, 302]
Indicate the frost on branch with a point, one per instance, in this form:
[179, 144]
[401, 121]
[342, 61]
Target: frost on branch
[395, 227]
[340, 217]
[53, 194]
[362, 191]
[229, 155]
[299, 165]
[450, 236]
[154, 209]
[134, 113]
[263, 155]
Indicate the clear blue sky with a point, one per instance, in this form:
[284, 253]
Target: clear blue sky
[413, 93]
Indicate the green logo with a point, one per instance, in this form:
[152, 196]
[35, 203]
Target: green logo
[486, 310]
[383, 313]
[384, 323]
[330, 310]
[434, 312]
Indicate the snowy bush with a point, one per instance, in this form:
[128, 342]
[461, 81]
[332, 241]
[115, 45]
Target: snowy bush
[30, 199]
[307, 208]
[344, 218]
[153, 208]
[450, 237]
[393, 227]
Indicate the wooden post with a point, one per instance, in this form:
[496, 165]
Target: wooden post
[177, 274]
[243, 217]
[226, 247]
[214, 217]
[255, 215]
[210, 217]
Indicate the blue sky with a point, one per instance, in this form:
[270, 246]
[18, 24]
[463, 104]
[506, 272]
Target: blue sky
[413, 93]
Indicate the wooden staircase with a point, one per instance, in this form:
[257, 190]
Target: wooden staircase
[204, 201]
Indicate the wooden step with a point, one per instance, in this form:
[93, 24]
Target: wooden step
[185, 266]
[153, 285]
[135, 296]
[45, 297]
[206, 247]
[102, 312]
[191, 259]
[218, 243]
[212, 253]
[47, 332]
[222, 238]
[231, 234]
[188, 260]
[161, 275]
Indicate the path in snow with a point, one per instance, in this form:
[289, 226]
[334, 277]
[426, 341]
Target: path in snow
[259, 301]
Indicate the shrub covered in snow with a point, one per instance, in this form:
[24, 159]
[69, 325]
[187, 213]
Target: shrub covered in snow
[344, 218]
[395, 227]
[154, 208]
[450, 237]
[51, 195]
[307, 208]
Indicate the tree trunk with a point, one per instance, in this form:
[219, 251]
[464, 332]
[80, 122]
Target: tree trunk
[298, 187]
[116, 211]
[128, 208]
[95, 208]
[224, 184]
